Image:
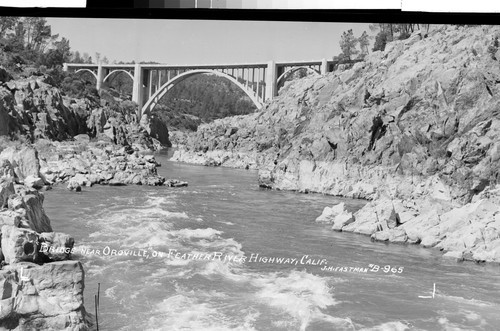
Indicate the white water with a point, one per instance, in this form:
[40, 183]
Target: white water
[224, 216]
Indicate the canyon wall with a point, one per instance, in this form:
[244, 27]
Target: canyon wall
[415, 128]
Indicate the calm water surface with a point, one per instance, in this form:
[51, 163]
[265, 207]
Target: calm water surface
[233, 230]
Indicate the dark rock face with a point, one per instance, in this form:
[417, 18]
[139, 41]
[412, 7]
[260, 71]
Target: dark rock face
[417, 123]
[35, 109]
[159, 131]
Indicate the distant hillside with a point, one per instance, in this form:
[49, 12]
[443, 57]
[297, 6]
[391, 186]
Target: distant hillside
[196, 100]
[202, 99]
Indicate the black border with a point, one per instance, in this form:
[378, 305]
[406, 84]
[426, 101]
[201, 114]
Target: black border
[125, 10]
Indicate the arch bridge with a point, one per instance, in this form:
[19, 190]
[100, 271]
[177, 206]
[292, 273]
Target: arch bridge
[260, 81]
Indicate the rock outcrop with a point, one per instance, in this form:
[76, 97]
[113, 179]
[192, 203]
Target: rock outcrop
[40, 286]
[85, 164]
[43, 297]
[33, 108]
[417, 125]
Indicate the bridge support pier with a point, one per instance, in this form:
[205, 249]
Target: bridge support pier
[324, 67]
[100, 77]
[137, 89]
[271, 77]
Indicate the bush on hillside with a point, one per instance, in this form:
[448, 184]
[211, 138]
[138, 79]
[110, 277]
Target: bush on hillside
[75, 87]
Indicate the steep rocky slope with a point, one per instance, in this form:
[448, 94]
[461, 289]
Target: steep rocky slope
[415, 128]
[40, 289]
[33, 108]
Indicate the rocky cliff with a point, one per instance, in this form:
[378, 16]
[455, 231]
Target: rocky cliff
[34, 108]
[40, 286]
[415, 128]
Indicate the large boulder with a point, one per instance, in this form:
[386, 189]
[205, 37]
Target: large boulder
[35, 214]
[397, 235]
[423, 228]
[365, 221]
[386, 214]
[43, 297]
[24, 161]
[329, 213]
[34, 182]
[55, 246]
[375, 216]
[79, 180]
[341, 220]
[19, 244]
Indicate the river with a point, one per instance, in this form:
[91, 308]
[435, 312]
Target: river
[224, 254]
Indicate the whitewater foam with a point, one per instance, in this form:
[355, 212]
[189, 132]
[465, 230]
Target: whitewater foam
[302, 295]
[181, 312]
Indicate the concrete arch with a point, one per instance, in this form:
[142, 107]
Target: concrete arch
[88, 70]
[291, 70]
[151, 103]
[118, 70]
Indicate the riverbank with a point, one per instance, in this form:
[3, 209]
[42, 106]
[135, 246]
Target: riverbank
[83, 163]
[54, 130]
[40, 288]
[414, 129]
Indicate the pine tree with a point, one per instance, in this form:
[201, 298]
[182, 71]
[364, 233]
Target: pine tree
[364, 41]
[348, 44]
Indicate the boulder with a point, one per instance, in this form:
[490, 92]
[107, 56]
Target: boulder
[35, 214]
[24, 161]
[120, 177]
[34, 182]
[155, 180]
[386, 215]
[365, 221]
[55, 246]
[28, 205]
[342, 220]
[375, 216]
[135, 179]
[329, 213]
[397, 235]
[430, 240]
[19, 244]
[10, 217]
[74, 186]
[175, 183]
[79, 180]
[79, 165]
[115, 182]
[95, 178]
[44, 297]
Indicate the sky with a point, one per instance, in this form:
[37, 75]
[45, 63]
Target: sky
[203, 41]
